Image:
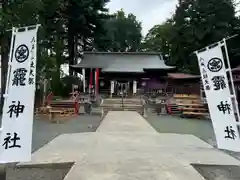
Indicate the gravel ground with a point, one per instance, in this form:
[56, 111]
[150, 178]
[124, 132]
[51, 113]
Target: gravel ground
[200, 128]
[204, 130]
[43, 132]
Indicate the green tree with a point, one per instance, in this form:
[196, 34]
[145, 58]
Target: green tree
[67, 27]
[123, 34]
[158, 39]
[14, 13]
[194, 25]
[198, 24]
[52, 37]
[84, 20]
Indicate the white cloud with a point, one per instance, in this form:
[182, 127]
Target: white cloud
[149, 12]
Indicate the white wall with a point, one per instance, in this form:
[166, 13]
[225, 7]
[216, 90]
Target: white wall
[65, 70]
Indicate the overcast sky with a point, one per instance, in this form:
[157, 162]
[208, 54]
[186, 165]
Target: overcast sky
[149, 12]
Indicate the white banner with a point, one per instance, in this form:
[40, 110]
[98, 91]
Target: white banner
[216, 86]
[112, 87]
[18, 110]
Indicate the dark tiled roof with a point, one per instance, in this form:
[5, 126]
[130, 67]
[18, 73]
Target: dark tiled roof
[122, 62]
[237, 69]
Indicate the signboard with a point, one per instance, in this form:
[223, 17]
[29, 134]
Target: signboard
[219, 98]
[18, 110]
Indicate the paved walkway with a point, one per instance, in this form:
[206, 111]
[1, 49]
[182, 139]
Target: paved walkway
[126, 147]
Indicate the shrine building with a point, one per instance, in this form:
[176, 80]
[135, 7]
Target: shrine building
[115, 72]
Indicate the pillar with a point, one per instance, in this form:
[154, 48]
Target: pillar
[84, 80]
[112, 88]
[96, 81]
[45, 81]
[134, 87]
[90, 81]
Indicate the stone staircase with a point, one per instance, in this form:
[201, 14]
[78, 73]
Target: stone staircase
[118, 104]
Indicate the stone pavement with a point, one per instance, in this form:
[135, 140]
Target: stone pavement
[126, 147]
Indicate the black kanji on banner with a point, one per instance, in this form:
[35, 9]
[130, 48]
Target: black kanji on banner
[10, 141]
[224, 107]
[16, 108]
[32, 66]
[19, 77]
[21, 53]
[205, 76]
[230, 133]
[219, 82]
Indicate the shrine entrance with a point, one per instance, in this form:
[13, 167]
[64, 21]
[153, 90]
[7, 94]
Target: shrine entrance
[122, 88]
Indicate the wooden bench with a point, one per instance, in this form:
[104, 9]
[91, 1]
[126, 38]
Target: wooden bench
[61, 108]
[52, 115]
[185, 96]
[66, 107]
[198, 111]
[195, 113]
[194, 109]
[190, 105]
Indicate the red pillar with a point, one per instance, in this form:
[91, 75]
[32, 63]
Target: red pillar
[76, 107]
[96, 81]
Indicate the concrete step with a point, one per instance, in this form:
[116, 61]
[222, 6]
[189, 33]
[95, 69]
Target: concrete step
[121, 105]
[106, 110]
[120, 108]
[120, 101]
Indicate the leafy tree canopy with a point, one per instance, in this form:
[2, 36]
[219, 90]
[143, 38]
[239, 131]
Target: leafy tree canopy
[123, 34]
[194, 25]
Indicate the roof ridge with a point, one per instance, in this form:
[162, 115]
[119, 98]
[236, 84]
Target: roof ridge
[123, 53]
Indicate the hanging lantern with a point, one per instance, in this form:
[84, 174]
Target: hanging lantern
[102, 83]
[143, 83]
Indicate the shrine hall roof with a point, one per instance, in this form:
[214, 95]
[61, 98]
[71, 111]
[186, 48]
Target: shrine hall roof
[123, 62]
[183, 76]
[236, 69]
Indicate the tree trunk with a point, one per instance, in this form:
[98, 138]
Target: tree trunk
[57, 88]
[75, 52]
[70, 47]
[4, 59]
[4, 68]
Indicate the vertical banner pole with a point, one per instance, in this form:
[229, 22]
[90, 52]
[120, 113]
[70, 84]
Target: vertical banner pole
[219, 97]
[10, 61]
[3, 167]
[84, 81]
[96, 81]
[17, 119]
[231, 78]
[90, 81]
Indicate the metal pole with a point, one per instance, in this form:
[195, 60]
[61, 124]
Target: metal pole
[227, 38]
[4, 59]
[10, 61]
[122, 93]
[84, 80]
[4, 67]
[231, 79]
